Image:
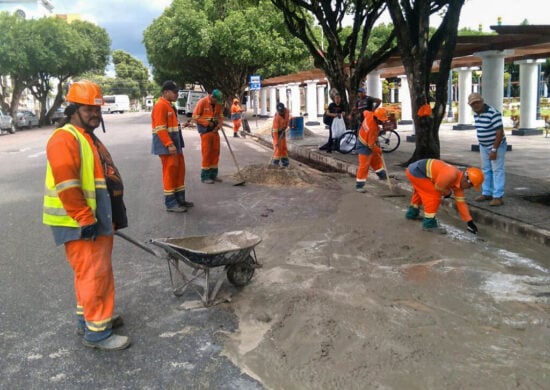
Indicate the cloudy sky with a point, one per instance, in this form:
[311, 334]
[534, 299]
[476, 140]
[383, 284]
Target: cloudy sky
[125, 20]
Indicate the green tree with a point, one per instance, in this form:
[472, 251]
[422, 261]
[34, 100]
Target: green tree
[220, 43]
[419, 50]
[346, 54]
[47, 52]
[131, 75]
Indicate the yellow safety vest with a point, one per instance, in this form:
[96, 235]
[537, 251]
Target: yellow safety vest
[53, 213]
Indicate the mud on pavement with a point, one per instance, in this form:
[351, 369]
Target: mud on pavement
[354, 296]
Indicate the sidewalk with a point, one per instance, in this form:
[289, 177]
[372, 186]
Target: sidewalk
[526, 209]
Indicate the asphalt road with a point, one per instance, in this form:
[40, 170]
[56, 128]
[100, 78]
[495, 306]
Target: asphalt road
[172, 347]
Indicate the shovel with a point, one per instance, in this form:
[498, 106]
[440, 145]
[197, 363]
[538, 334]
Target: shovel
[391, 194]
[242, 181]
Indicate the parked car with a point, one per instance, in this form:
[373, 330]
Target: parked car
[6, 123]
[26, 119]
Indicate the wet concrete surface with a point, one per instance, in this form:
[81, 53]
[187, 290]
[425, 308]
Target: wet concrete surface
[343, 300]
[526, 209]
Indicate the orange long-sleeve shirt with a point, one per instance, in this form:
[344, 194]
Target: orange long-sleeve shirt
[206, 110]
[446, 179]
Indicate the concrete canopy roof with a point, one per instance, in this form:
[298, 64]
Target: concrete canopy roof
[522, 42]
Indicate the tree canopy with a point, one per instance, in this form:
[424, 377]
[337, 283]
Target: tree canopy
[218, 44]
[42, 54]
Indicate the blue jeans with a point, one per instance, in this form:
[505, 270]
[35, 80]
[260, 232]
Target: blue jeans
[495, 179]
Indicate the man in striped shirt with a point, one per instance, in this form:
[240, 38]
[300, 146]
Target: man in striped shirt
[492, 149]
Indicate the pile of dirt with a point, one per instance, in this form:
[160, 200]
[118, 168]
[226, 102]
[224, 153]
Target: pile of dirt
[296, 175]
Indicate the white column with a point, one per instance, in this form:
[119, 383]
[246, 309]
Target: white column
[311, 101]
[295, 101]
[528, 89]
[374, 84]
[492, 78]
[405, 97]
[320, 100]
[263, 102]
[465, 118]
[282, 95]
[272, 101]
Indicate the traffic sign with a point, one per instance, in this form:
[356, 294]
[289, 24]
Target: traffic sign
[255, 83]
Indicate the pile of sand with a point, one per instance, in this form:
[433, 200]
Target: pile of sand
[296, 175]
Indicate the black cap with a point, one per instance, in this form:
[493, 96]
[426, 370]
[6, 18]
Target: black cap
[169, 85]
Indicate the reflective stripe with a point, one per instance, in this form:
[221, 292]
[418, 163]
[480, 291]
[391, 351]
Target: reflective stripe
[54, 214]
[429, 167]
[169, 129]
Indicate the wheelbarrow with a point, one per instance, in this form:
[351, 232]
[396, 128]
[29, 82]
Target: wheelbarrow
[235, 251]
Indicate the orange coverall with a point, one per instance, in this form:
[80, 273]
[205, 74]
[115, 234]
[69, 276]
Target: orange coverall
[166, 131]
[368, 153]
[236, 114]
[206, 110]
[433, 178]
[90, 260]
[278, 132]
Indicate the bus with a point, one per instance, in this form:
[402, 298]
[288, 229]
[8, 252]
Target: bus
[115, 103]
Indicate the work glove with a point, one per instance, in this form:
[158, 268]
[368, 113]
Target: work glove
[89, 232]
[472, 228]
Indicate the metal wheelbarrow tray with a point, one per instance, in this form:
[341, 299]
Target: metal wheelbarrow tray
[233, 250]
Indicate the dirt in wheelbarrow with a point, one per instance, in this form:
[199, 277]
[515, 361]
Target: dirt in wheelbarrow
[360, 298]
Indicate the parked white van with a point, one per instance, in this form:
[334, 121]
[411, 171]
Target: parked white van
[187, 100]
[115, 103]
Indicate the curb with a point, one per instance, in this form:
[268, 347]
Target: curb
[506, 224]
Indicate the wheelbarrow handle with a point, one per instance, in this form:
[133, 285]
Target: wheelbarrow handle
[136, 243]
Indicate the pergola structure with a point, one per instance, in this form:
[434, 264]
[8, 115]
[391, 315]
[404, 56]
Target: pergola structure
[524, 45]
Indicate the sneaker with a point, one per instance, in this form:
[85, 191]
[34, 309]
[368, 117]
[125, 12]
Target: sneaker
[412, 213]
[431, 225]
[114, 342]
[116, 322]
[208, 181]
[381, 175]
[496, 202]
[217, 179]
[177, 209]
[187, 204]
[483, 198]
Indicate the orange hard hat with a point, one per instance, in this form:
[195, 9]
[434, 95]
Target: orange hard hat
[425, 110]
[381, 114]
[85, 92]
[475, 177]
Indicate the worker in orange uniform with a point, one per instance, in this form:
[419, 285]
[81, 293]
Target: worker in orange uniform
[83, 205]
[236, 117]
[279, 128]
[431, 179]
[208, 114]
[368, 151]
[168, 145]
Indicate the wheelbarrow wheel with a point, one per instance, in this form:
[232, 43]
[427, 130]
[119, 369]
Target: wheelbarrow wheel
[239, 274]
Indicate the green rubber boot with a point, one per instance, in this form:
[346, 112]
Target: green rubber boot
[412, 213]
[431, 225]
